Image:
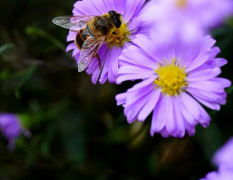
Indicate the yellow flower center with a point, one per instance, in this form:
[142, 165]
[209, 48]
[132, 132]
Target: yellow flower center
[181, 3]
[119, 36]
[172, 78]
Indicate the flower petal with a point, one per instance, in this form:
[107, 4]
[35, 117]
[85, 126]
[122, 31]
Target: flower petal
[224, 82]
[190, 103]
[120, 6]
[143, 83]
[204, 74]
[180, 127]
[136, 56]
[122, 78]
[147, 46]
[139, 7]
[94, 64]
[198, 61]
[95, 76]
[85, 8]
[158, 121]
[110, 5]
[134, 70]
[133, 109]
[120, 98]
[70, 47]
[219, 62]
[134, 96]
[189, 128]
[76, 51]
[71, 37]
[99, 6]
[207, 95]
[169, 115]
[211, 86]
[149, 106]
[113, 64]
[186, 114]
[206, 102]
[132, 8]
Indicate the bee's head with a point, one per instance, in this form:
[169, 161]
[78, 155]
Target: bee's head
[116, 18]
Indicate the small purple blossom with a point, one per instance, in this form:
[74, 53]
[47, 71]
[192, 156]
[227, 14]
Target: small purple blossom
[176, 78]
[133, 13]
[188, 17]
[223, 158]
[224, 173]
[11, 128]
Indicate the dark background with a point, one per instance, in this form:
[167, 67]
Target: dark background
[77, 130]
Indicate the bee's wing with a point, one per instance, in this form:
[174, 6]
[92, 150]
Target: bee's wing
[89, 49]
[73, 22]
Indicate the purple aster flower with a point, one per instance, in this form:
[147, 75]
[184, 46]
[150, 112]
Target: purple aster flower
[176, 78]
[11, 128]
[188, 17]
[224, 156]
[224, 173]
[133, 14]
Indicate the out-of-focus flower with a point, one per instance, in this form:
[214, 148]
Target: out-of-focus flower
[188, 17]
[224, 156]
[224, 173]
[175, 77]
[11, 128]
[133, 13]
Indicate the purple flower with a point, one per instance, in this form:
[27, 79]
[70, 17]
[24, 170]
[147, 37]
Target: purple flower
[224, 156]
[188, 17]
[11, 128]
[224, 173]
[132, 12]
[176, 77]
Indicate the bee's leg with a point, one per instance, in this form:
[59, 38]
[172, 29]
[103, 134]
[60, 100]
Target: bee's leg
[98, 57]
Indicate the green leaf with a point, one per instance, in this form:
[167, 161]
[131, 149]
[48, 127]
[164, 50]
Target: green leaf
[229, 90]
[6, 46]
[4, 74]
[25, 120]
[34, 31]
[26, 75]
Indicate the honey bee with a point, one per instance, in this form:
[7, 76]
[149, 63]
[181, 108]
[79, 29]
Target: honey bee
[91, 33]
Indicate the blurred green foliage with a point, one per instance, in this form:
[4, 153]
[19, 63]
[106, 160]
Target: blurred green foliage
[77, 130]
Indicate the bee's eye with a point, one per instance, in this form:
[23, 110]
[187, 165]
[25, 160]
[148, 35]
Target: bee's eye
[117, 22]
